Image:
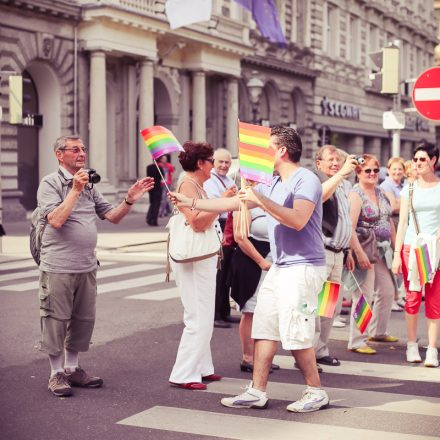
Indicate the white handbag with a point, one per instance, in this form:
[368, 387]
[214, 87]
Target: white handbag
[186, 246]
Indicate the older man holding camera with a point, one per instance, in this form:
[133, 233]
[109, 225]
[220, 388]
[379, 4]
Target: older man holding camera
[69, 202]
[336, 232]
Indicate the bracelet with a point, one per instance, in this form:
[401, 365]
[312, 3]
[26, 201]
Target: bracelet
[127, 202]
[193, 205]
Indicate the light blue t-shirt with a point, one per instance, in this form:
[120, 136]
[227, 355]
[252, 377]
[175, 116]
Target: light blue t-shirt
[287, 245]
[426, 203]
[389, 185]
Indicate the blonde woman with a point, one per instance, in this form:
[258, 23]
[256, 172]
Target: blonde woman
[371, 209]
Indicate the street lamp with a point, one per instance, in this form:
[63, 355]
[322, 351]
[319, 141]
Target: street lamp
[255, 87]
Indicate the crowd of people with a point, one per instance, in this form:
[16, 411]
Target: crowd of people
[308, 227]
[305, 228]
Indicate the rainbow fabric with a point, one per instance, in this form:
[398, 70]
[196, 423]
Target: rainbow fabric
[327, 299]
[423, 263]
[362, 314]
[160, 141]
[256, 157]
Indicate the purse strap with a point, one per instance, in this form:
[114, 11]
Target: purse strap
[411, 207]
[220, 180]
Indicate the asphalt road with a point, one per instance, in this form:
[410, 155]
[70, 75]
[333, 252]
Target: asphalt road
[134, 345]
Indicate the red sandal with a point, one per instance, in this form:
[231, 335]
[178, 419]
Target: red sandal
[189, 385]
[212, 378]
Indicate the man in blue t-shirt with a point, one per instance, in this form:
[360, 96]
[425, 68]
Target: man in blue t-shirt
[287, 299]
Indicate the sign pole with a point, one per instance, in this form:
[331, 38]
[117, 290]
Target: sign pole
[395, 150]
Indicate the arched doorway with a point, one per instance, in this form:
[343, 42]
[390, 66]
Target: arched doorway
[163, 113]
[27, 146]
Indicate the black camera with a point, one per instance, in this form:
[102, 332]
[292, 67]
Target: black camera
[360, 160]
[94, 177]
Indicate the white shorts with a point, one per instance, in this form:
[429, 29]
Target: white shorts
[287, 301]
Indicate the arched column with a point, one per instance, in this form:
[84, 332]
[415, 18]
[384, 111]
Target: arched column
[98, 114]
[146, 111]
[199, 106]
[232, 116]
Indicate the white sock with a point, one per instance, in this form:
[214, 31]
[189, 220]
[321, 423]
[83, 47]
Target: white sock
[71, 362]
[56, 364]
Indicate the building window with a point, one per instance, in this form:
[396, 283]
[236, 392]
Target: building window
[300, 22]
[353, 39]
[331, 30]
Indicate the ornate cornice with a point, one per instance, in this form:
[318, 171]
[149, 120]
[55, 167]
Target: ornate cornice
[69, 10]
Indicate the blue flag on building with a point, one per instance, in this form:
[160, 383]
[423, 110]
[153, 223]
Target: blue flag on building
[265, 14]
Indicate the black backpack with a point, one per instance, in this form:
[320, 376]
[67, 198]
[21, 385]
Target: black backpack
[38, 225]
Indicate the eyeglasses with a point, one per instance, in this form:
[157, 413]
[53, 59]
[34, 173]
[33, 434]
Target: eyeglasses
[75, 150]
[422, 159]
[210, 159]
[369, 171]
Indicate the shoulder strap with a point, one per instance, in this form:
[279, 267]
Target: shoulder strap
[220, 180]
[194, 184]
[411, 191]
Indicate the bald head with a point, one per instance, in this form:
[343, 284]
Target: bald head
[222, 161]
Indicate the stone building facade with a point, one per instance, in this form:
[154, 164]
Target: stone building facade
[107, 68]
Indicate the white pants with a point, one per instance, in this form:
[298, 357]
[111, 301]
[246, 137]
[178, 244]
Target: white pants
[378, 286]
[335, 264]
[196, 285]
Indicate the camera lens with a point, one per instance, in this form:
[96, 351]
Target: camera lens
[360, 160]
[94, 177]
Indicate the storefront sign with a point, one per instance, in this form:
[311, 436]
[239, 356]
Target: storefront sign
[339, 109]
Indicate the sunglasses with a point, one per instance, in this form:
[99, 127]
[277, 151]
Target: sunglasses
[421, 159]
[369, 171]
[210, 159]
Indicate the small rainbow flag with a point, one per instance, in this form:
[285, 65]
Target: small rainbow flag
[423, 263]
[327, 299]
[362, 314]
[160, 141]
[256, 157]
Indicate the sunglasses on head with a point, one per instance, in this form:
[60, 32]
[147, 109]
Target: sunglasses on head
[421, 159]
[369, 170]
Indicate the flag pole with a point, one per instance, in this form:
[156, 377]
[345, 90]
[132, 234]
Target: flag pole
[161, 175]
[356, 281]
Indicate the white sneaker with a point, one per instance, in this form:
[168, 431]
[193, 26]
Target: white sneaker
[251, 398]
[431, 359]
[312, 399]
[338, 323]
[412, 352]
[396, 308]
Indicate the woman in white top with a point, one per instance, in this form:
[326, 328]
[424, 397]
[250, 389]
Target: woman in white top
[195, 280]
[426, 204]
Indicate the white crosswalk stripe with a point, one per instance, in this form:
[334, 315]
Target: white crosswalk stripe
[141, 278]
[428, 406]
[404, 419]
[371, 369]
[239, 427]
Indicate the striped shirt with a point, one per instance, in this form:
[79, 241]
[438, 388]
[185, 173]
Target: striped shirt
[342, 235]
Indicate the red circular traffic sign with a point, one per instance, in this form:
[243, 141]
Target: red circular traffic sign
[426, 94]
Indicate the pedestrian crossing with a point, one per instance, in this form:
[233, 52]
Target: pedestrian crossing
[406, 416]
[134, 279]
[231, 426]
[366, 398]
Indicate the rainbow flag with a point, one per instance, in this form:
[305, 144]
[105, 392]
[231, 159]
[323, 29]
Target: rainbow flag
[160, 141]
[423, 263]
[327, 299]
[256, 158]
[362, 314]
